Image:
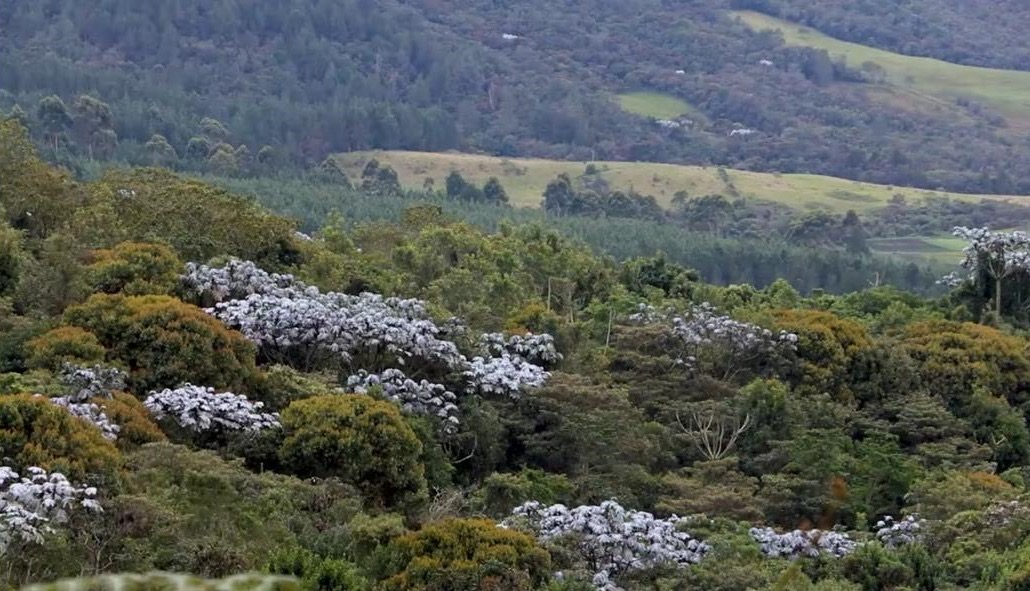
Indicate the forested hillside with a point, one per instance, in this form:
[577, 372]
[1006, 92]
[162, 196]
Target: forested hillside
[246, 87]
[424, 405]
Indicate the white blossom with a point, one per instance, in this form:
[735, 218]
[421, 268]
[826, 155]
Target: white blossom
[1000, 253]
[534, 348]
[613, 540]
[893, 533]
[798, 543]
[291, 320]
[422, 397]
[91, 413]
[707, 338]
[31, 507]
[201, 409]
[506, 375]
[236, 279]
[83, 383]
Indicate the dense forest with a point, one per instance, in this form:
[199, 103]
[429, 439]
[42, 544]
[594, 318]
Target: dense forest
[247, 87]
[421, 404]
[231, 360]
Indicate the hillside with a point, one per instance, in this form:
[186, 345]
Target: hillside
[989, 33]
[1006, 91]
[526, 178]
[246, 88]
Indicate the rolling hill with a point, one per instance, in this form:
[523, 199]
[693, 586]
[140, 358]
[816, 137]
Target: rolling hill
[525, 179]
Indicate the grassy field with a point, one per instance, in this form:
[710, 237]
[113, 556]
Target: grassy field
[1007, 91]
[653, 104]
[525, 179]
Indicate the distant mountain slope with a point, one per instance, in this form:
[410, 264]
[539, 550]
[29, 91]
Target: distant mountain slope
[535, 78]
[990, 33]
[1006, 91]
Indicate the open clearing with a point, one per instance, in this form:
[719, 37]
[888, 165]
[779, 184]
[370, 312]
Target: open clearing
[526, 178]
[653, 104]
[1007, 91]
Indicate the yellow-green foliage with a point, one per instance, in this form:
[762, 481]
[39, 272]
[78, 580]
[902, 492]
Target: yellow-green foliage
[134, 268]
[126, 411]
[361, 440]
[198, 220]
[160, 581]
[64, 344]
[947, 495]
[955, 358]
[827, 349]
[35, 197]
[466, 555]
[35, 432]
[164, 342]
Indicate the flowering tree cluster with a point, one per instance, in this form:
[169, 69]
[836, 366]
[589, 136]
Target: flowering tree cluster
[30, 507]
[997, 255]
[235, 280]
[613, 540]
[503, 376]
[299, 325]
[422, 397]
[83, 383]
[534, 348]
[893, 533]
[296, 323]
[798, 543]
[199, 409]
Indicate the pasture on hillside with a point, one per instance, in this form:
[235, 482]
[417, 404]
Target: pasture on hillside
[654, 104]
[525, 179]
[1006, 91]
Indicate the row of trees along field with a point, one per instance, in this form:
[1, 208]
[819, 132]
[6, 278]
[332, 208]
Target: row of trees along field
[286, 85]
[421, 404]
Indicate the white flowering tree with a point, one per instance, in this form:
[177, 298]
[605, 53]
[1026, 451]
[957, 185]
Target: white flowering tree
[83, 384]
[802, 543]
[298, 325]
[202, 410]
[508, 375]
[716, 344]
[534, 348]
[994, 255]
[35, 505]
[91, 413]
[422, 397]
[612, 539]
[895, 533]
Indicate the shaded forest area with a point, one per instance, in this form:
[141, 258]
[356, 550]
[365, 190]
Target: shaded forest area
[248, 87]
